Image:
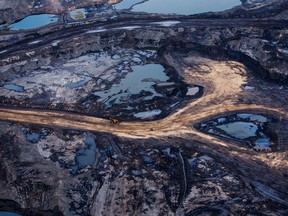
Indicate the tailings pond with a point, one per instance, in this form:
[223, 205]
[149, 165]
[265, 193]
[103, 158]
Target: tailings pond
[183, 7]
[34, 21]
[253, 129]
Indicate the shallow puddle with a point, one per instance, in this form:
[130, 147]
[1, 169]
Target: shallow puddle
[85, 156]
[34, 21]
[34, 137]
[14, 87]
[183, 7]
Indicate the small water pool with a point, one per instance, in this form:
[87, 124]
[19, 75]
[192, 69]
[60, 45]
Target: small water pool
[34, 21]
[183, 7]
[251, 128]
[33, 137]
[85, 156]
[14, 87]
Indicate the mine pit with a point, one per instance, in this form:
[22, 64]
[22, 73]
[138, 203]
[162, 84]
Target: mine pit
[252, 129]
[145, 92]
[138, 94]
[119, 83]
[81, 83]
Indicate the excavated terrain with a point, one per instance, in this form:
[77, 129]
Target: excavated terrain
[116, 112]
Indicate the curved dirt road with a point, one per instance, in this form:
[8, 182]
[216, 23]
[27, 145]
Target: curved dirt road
[176, 123]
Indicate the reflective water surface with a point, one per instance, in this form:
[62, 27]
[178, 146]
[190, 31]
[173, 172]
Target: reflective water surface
[184, 7]
[34, 21]
[5, 213]
[141, 79]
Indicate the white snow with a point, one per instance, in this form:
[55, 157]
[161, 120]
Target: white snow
[35, 42]
[147, 114]
[166, 23]
[96, 31]
[3, 51]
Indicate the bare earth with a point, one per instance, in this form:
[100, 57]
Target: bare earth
[60, 157]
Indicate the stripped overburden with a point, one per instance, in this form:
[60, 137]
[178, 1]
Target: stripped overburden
[116, 112]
